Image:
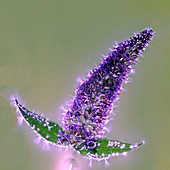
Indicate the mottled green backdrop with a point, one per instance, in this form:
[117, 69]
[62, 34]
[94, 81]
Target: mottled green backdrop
[46, 45]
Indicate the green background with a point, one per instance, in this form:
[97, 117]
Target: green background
[46, 45]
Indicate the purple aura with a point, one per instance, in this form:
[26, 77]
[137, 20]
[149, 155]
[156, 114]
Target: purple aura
[89, 111]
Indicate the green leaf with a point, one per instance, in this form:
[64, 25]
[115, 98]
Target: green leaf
[46, 129]
[104, 148]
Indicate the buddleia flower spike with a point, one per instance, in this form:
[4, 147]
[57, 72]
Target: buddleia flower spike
[84, 122]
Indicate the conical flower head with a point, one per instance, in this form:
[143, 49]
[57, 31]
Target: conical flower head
[94, 99]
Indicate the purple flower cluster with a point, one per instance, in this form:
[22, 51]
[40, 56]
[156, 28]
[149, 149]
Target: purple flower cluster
[94, 99]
